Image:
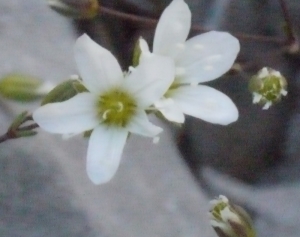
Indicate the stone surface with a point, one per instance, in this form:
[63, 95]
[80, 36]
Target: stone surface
[263, 146]
[44, 189]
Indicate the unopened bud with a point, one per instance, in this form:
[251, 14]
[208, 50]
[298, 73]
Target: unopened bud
[136, 53]
[78, 9]
[229, 220]
[64, 91]
[268, 86]
[23, 88]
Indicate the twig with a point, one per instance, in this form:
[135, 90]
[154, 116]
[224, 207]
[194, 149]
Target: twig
[29, 127]
[288, 22]
[291, 39]
[147, 21]
[4, 138]
[17, 129]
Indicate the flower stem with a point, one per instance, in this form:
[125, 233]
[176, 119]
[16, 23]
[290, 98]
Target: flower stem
[16, 130]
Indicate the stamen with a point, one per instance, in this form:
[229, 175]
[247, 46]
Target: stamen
[121, 107]
[104, 116]
[116, 108]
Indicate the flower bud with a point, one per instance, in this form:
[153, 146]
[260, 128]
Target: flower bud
[64, 91]
[23, 88]
[229, 220]
[79, 9]
[267, 86]
[136, 54]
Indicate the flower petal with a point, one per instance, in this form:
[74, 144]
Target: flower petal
[145, 52]
[104, 153]
[75, 115]
[98, 68]
[172, 29]
[207, 57]
[206, 103]
[142, 126]
[170, 110]
[150, 79]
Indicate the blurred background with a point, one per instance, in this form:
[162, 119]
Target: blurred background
[164, 189]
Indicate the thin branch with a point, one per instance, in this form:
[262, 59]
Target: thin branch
[17, 129]
[139, 20]
[288, 22]
[28, 127]
[4, 138]
[151, 22]
[291, 40]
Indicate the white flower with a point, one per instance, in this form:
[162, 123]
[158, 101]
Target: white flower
[200, 59]
[268, 86]
[114, 106]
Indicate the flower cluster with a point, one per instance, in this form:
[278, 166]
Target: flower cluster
[167, 80]
[229, 220]
[268, 86]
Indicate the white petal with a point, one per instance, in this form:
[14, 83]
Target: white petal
[67, 136]
[206, 103]
[104, 153]
[207, 56]
[172, 29]
[142, 126]
[98, 68]
[150, 80]
[145, 52]
[75, 115]
[170, 110]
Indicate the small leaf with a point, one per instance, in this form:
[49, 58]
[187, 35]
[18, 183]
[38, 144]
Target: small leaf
[136, 54]
[85, 9]
[26, 133]
[18, 121]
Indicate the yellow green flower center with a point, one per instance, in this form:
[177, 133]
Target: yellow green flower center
[271, 88]
[116, 108]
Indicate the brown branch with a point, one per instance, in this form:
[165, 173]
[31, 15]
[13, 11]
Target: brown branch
[291, 40]
[139, 20]
[28, 127]
[4, 138]
[17, 129]
[288, 22]
[151, 22]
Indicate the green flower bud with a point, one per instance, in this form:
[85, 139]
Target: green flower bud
[79, 9]
[136, 54]
[64, 91]
[23, 88]
[268, 86]
[229, 220]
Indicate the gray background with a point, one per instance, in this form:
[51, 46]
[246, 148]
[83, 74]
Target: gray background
[158, 191]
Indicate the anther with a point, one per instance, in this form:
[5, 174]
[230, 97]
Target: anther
[104, 116]
[120, 106]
